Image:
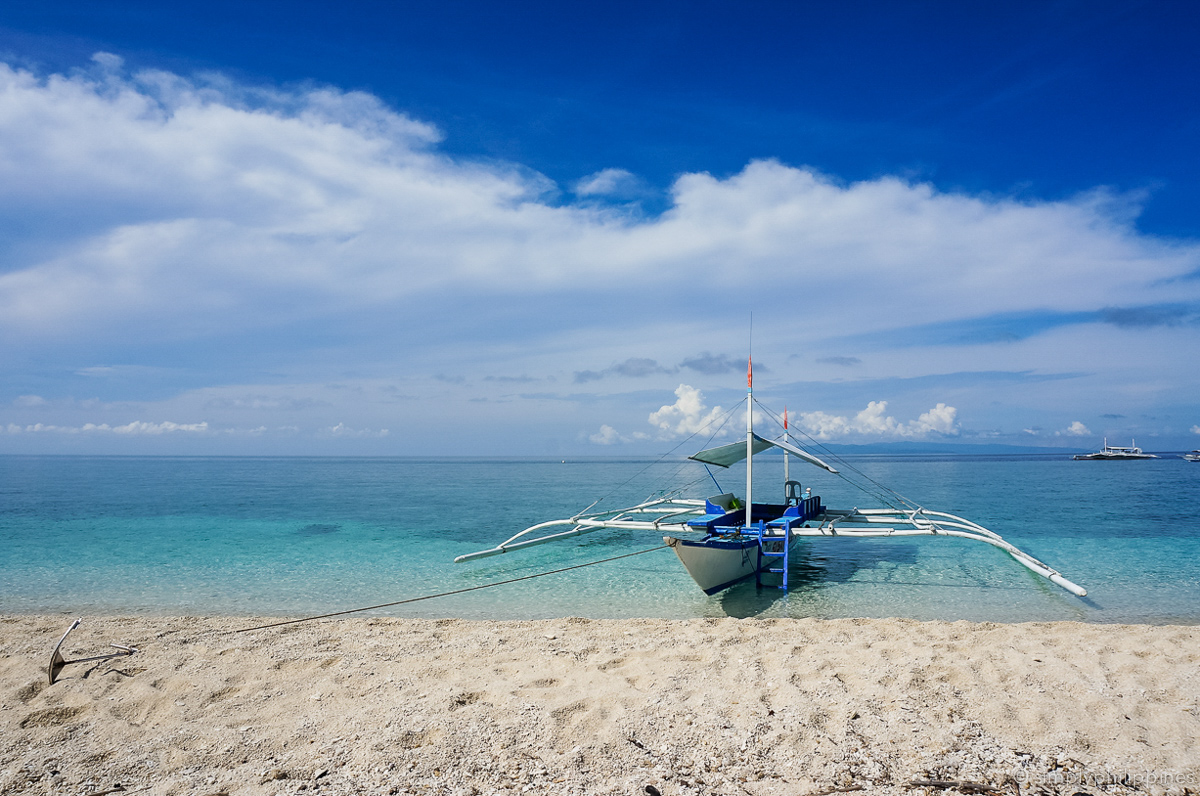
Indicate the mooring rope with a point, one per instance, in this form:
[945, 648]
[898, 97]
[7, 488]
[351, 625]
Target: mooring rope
[456, 591]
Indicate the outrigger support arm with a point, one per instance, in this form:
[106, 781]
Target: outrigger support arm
[922, 523]
[587, 523]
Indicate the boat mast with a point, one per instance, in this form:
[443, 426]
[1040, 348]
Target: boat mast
[749, 438]
[786, 440]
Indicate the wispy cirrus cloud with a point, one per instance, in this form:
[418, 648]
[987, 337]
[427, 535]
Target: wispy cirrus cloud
[342, 430]
[1014, 327]
[716, 364]
[1150, 316]
[634, 368]
[617, 183]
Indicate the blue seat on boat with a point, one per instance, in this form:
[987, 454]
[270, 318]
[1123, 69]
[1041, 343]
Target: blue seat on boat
[796, 515]
[720, 511]
[726, 519]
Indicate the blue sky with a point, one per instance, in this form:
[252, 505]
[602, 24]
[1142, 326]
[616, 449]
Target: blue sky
[540, 229]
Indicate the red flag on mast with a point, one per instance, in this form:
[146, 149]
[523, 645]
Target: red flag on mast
[750, 373]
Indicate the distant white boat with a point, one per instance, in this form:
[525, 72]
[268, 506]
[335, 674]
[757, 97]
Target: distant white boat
[1114, 453]
[1194, 456]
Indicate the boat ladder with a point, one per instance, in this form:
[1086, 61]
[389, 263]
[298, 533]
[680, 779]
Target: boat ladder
[773, 550]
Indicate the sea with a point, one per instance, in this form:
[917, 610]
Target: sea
[296, 537]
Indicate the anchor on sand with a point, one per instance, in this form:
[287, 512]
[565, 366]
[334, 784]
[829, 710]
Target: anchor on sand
[56, 659]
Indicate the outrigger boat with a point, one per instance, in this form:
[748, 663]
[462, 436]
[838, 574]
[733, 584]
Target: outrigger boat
[723, 540]
[1114, 453]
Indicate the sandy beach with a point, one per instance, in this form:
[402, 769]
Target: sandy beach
[712, 706]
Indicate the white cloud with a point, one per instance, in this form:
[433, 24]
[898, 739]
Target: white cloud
[201, 204]
[135, 428]
[140, 427]
[1076, 429]
[1195, 429]
[204, 209]
[29, 401]
[687, 415]
[607, 435]
[342, 430]
[609, 182]
[941, 419]
[874, 421]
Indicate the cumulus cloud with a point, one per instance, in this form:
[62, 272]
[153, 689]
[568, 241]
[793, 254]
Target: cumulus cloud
[226, 195]
[687, 415]
[188, 200]
[874, 421]
[607, 435]
[1195, 429]
[1076, 429]
[136, 428]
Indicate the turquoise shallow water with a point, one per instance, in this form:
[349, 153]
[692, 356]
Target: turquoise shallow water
[292, 536]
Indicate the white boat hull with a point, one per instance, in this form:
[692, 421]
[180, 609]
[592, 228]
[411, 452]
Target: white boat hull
[717, 564]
